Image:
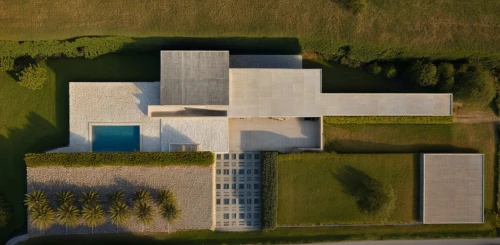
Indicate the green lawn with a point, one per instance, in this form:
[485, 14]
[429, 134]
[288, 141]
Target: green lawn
[34, 121]
[321, 188]
[387, 29]
[280, 235]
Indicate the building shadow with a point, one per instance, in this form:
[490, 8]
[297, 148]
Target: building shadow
[235, 45]
[359, 146]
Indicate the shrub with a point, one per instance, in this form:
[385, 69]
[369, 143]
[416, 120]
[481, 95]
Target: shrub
[423, 74]
[88, 47]
[376, 199]
[374, 69]
[350, 62]
[356, 6]
[5, 213]
[6, 64]
[269, 162]
[446, 77]
[33, 77]
[389, 120]
[390, 71]
[90, 159]
[476, 87]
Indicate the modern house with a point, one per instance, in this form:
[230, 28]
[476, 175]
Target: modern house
[212, 101]
[239, 105]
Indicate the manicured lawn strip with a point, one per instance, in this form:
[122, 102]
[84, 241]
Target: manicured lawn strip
[280, 235]
[387, 29]
[269, 172]
[35, 121]
[455, 138]
[90, 159]
[389, 120]
[320, 188]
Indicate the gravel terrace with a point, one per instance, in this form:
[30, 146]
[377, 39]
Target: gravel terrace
[193, 187]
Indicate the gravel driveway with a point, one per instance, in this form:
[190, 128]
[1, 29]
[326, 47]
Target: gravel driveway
[193, 187]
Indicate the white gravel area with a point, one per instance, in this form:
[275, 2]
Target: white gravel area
[112, 102]
[212, 134]
[193, 187]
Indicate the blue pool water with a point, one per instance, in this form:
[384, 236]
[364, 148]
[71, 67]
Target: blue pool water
[116, 138]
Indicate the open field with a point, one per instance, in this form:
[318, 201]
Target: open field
[387, 29]
[321, 188]
[34, 121]
[456, 138]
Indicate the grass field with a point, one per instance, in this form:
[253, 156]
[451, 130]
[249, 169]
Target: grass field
[387, 29]
[34, 121]
[280, 235]
[314, 188]
[321, 188]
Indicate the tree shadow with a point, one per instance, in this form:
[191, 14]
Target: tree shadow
[352, 180]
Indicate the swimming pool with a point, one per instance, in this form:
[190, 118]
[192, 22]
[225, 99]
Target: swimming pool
[107, 138]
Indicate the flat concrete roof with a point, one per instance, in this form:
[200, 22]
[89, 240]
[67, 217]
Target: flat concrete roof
[297, 93]
[194, 77]
[452, 188]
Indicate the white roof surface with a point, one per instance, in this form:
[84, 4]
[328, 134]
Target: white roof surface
[452, 188]
[297, 93]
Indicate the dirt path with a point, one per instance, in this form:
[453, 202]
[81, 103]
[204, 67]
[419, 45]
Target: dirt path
[476, 117]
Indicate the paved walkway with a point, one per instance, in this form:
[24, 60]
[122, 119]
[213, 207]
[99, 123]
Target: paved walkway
[480, 241]
[17, 239]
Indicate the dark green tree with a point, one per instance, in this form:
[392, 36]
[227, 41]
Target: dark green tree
[42, 216]
[35, 198]
[68, 215]
[93, 215]
[143, 213]
[119, 213]
[376, 198]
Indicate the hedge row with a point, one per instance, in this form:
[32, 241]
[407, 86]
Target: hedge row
[90, 159]
[389, 120]
[269, 190]
[88, 47]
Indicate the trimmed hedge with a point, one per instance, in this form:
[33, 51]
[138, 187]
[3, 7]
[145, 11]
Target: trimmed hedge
[389, 120]
[90, 159]
[88, 47]
[269, 190]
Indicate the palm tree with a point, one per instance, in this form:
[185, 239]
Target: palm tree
[165, 197]
[141, 196]
[93, 215]
[35, 198]
[171, 213]
[119, 213]
[42, 216]
[67, 215]
[144, 213]
[63, 197]
[117, 196]
[89, 198]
